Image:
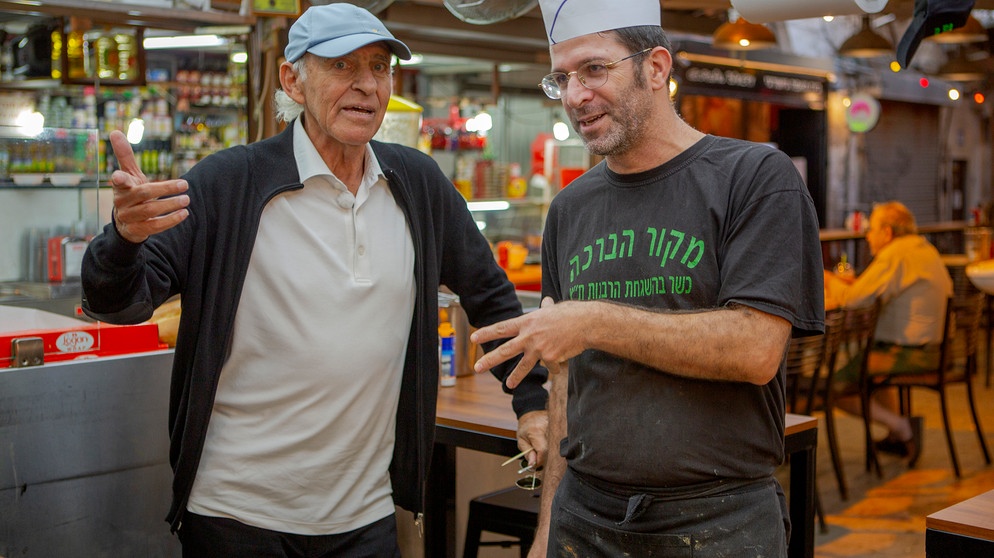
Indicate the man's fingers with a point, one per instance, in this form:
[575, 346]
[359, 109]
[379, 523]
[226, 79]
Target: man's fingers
[523, 368]
[532, 436]
[151, 209]
[499, 330]
[141, 210]
[137, 232]
[129, 191]
[503, 353]
[126, 156]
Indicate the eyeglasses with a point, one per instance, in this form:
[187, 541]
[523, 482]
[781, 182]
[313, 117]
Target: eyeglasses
[528, 482]
[591, 75]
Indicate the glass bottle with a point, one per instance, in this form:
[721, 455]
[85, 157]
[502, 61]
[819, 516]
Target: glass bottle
[57, 54]
[127, 65]
[107, 62]
[78, 54]
[446, 351]
[844, 269]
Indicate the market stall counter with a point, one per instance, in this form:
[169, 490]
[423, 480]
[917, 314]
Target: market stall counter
[85, 458]
[83, 418]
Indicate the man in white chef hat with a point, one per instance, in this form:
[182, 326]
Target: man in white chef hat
[674, 274]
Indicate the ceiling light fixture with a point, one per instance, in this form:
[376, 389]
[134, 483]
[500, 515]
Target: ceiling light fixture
[488, 205]
[413, 61]
[739, 34]
[866, 43]
[183, 41]
[960, 67]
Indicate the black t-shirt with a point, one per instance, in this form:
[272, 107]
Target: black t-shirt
[725, 221]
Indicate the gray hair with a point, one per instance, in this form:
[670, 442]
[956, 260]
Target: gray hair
[897, 216]
[287, 110]
[639, 38]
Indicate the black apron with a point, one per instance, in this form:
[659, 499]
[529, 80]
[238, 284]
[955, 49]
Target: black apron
[591, 519]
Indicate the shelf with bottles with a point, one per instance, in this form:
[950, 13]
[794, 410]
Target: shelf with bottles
[490, 180]
[217, 88]
[200, 133]
[112, 55]
[48, 158]
[73, 51]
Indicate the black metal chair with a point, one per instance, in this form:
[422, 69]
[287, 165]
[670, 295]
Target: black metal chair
[856, 334]
[957, 365]
[509, 511]
[806, 357]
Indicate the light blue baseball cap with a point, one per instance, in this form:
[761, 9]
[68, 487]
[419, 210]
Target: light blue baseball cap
[334, 30]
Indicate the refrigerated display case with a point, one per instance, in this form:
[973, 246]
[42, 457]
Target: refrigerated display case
[48, 212]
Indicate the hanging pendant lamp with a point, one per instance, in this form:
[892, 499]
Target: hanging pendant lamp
[742, 35]
[961, 67]
[867, 43]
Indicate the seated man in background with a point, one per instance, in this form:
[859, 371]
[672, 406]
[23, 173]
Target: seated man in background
[909, 278]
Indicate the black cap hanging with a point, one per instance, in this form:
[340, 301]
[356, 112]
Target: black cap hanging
[931, 18]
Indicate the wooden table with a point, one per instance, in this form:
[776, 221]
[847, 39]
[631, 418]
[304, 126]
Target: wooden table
[963, 529]
[476, 414]
[859, 256]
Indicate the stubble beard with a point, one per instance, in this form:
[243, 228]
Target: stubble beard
[626, 130]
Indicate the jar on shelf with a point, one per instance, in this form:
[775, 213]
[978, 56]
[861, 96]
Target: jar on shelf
[78, 55]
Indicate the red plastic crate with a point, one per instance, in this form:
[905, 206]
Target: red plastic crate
[87, 341]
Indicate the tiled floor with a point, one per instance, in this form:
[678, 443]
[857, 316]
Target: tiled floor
[885, 517]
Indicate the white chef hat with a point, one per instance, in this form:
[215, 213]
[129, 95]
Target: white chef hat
[566, 19]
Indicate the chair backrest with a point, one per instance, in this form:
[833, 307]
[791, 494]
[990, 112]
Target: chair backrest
[962, 285]
[835, 331]
[961, 335]
[859, 324]
[805, 359]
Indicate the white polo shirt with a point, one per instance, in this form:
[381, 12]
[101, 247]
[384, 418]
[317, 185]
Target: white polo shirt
[302, 430]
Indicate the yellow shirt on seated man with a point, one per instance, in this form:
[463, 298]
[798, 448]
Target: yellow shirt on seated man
[908, 277]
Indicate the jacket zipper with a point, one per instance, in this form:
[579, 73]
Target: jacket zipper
[418, 365]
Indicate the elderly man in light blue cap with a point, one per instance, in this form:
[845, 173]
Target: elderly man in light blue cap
[309, 263]
[674, 273]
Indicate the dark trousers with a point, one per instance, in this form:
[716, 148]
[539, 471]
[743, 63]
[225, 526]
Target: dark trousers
[598, 522]
[218, 537]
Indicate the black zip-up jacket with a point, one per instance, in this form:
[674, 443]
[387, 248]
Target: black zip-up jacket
[205, 259]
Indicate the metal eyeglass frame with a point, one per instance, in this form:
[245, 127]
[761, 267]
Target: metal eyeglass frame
[553, 90]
